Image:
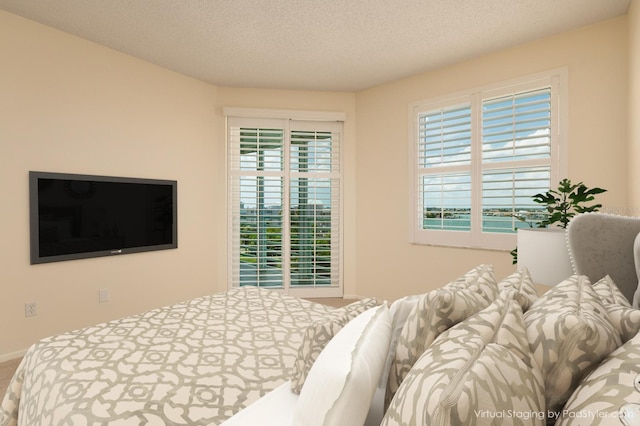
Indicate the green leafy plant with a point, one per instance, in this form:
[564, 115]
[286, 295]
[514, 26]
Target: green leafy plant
[562, 205]
[567, 201]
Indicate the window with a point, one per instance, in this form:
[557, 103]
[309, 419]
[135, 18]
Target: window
[285, 203]
[478, 158]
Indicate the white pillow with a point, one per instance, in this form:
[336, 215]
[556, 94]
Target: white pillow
[399, 310]
[342, 381]
[318, 334]
[274, 409]
[636, 259]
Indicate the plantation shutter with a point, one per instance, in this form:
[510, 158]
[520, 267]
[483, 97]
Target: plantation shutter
[257, 200]
[285, 204]
[479, 157]
[516, 157]
[444, 168]
[315, 204]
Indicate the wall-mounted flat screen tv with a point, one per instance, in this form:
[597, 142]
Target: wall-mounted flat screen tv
[79, 216]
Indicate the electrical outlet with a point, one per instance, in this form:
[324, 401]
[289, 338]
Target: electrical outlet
[103, 295]
[30, 309]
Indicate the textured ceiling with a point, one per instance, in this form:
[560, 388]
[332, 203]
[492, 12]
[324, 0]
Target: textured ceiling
[344, 45]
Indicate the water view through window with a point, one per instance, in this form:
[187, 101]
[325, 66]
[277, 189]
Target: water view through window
[514, 134]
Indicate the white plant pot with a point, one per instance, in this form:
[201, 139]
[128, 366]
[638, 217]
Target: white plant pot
[544, 252]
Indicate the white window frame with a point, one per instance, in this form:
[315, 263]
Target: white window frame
[557, 79]
[289, 120]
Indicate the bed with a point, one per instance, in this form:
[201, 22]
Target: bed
[197, 362]
[465, 353]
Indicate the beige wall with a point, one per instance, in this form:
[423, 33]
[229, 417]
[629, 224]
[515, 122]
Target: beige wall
[388, 266]
[634, 106]
[68, 105]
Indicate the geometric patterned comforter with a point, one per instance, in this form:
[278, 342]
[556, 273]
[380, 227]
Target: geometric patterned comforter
[192, 363]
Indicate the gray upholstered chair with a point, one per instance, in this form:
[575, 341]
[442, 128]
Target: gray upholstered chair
[603, 244]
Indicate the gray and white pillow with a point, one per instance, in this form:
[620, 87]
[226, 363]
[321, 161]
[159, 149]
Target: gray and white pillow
[477, 370]
[521, 282]
[610, 394]
[481, 279]
[570, 333]
[625, 318]
[609, 292]
[434, 313]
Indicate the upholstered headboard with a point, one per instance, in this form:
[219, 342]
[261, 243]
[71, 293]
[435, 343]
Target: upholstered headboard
[603, 244]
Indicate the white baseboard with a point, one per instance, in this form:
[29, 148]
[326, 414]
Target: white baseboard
[12, 355]
[353, 296]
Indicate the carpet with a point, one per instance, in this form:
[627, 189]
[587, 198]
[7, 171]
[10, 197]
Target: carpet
[6, 373]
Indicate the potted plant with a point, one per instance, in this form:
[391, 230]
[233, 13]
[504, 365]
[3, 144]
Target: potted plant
[560, 207]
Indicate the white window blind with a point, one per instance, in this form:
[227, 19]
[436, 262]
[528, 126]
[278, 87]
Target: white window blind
[315, 205]
[516, 129]
[444, 157]
[445, 137]
[480, 156]
[517, 126]
[257, 188]
[285, 180]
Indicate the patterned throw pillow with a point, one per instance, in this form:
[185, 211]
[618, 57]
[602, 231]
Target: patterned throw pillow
[523, 284]
[609, 292]
[479, 372]
[318, 334]
[609, 393]
[626, 320]
[434, 313]
[481, 278]
[569, 333]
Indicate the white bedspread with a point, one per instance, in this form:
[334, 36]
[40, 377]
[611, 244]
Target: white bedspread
[197, 362]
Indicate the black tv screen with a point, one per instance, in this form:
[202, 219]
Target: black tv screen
[79, 216]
